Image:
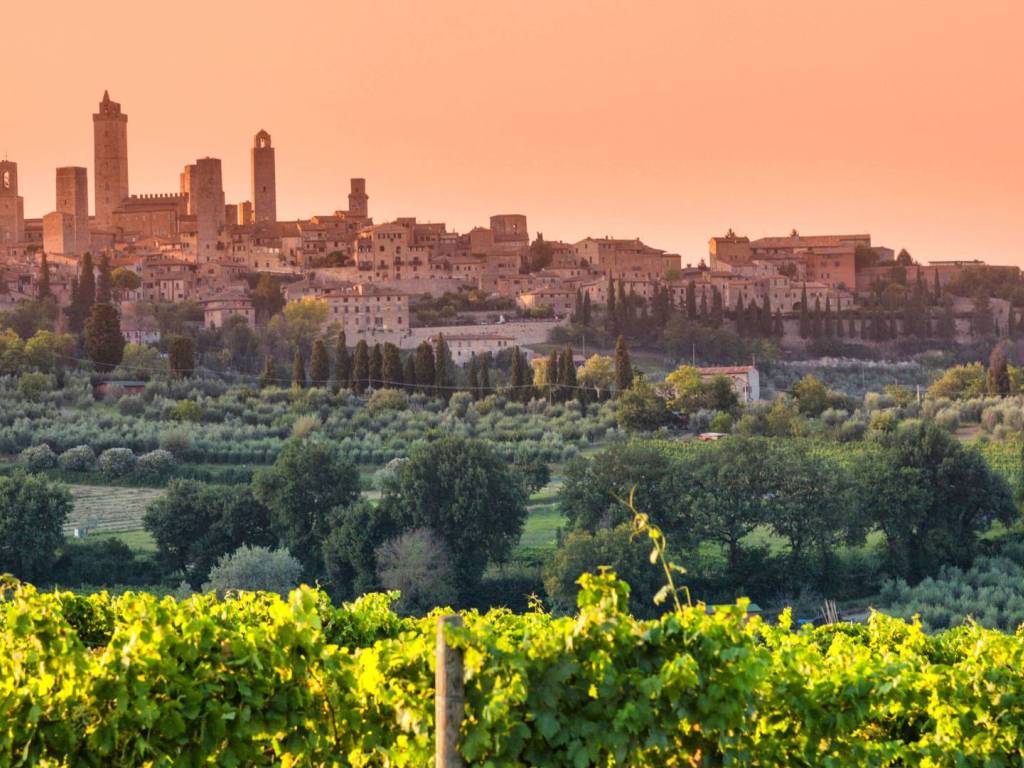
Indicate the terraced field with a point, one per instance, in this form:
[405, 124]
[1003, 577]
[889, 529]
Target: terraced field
[103, 509]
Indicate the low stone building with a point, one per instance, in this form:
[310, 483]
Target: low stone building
[745, 379]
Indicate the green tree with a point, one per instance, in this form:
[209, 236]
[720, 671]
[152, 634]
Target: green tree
[43, 280]
[305, 489]
[811, 395]
[442, 363]
[350, 549]
[931, 496]
[805, 325]
[623, 368]
[519, 382]
[32, 515]
[485, 374]
[640, 408]
[409, 371]
[104, 281]
[391, 371]
[182, 356]
[376, 367]
[298, 371]
[255, 569]
[86, 286]
[194, 524]
[361, 367]
[472, 380]
[998, 372]
[268, 378]
[319, 365]
[342, 364]
[424, 366]
[103, 340]
[467, 494]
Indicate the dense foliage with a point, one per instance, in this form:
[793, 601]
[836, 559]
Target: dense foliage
[254, 680]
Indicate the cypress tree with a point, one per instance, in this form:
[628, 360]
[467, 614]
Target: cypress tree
[947, 323]
[269, 376]
[43, 280]
[1011, 322]
[73, 310]
[585, 319]
[840, 330]
[577, 308]
[298, 371]
[425, 374]
[998, 372]
[551, 371]
[485, 372]
[853, 328]
[376, 367]
[86, 285]
[182, 354]
[473, 381]
[741, 316]
[780, 328]
[392, 369]
[104, 342]
[104, 282]
[691, 301]
[409, 371]
[716, 308]
[361, 368]
[319, 365]
[938, 287]
[816, 319]
[518, 377]
[623, 368]
[342, 364]
[442, 359]
[805, 327]
[611, 311]
[704, 306]
[829, 327]
[570, 374]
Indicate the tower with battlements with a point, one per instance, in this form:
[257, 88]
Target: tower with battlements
[264, 182]
[110, 143]
[358, 201]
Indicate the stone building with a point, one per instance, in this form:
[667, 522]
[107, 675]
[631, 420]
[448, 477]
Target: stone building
[218, 308]
[12, 206]
[59, 233]
[361, 310]
[168, 280]
[264, 180]
[203, 184]
[110, 168]
[628, 259]
[828, 259]
[464, 345]
[73, 199]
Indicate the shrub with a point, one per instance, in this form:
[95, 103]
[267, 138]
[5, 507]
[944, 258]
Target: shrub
[305, 425]
[387, 400]
[176, 441]
[115, 463]
[81, 458]
[32, 386]
[39, 457]
[187, 410]
[131, 405]
[418, 565]
[155, 465]
[722, 422]
[255, 568]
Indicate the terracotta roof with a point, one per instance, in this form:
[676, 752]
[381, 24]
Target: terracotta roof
[807, 241]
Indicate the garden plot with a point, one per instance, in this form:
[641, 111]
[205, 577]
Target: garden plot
[101, 509]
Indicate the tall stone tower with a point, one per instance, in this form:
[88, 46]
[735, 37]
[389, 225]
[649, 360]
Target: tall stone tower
[12, 207]
[73, 199]
[110, 141]
[358, 202]
[264, 183]
[203, 183]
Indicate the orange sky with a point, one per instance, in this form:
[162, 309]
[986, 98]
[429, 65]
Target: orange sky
[667, 120]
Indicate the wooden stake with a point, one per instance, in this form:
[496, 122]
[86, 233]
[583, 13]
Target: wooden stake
[449, 697]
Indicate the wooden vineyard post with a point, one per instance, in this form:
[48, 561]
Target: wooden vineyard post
[449, 698]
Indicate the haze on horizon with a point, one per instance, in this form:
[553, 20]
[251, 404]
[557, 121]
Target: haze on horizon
[664, 120]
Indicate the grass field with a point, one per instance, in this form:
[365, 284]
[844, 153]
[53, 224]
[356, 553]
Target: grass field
[107, 509]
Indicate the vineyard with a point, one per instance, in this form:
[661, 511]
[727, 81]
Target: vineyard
[254, 680]
[102, 509]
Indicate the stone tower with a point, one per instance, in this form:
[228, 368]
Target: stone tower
[358, 202]
[264, 184]
[73, 199]
[12, 207]
[110, 141]
[203, 183]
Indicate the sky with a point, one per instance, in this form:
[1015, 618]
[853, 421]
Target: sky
[671, 121]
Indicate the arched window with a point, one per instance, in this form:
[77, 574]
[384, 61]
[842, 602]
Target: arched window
[6, 182]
